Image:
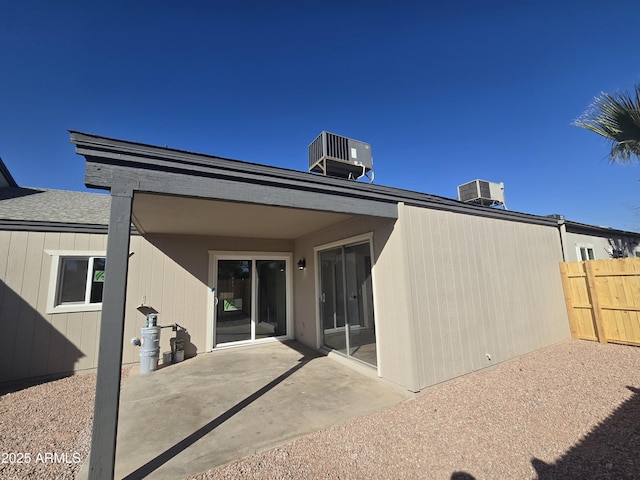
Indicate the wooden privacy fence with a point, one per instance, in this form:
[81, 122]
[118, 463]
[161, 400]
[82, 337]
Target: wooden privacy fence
[603, 299]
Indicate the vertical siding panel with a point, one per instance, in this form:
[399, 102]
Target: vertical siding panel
[42, 342]
[487, 272]
[139, 263]
[58, 343]
[72, 351]
[27, 319]
[97, 242]
[474, 251]
[521, 329]
[12, 304]
[432, 314]
[417, 241]
[67, 241]
[455, 295]
[87, 345]
[177, 309]
[482, 286]
[168, 289]
[5, 242]
[81, 242]
[5, 297]
[194, 295]
[475, 335]
[470, 340]
[198, 306]
[157, 275]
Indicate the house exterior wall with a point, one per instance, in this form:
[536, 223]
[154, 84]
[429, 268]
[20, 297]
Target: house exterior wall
[172, 275]
[389, 287]
[34, 343]
[448, 289]
[600, 244]
[479, 286]
[168, 273]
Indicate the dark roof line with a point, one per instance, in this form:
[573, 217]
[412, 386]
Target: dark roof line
[115, 151]
[577, 226]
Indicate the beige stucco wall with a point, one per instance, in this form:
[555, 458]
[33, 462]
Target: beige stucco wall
[480, 288]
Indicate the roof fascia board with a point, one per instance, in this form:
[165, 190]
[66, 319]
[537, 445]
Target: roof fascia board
[37, 226]
[146, 158]
[583, 228]
[99, 175]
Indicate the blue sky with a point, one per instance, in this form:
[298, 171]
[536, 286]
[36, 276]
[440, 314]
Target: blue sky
[445, 92]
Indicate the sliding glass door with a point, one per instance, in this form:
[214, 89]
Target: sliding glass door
[346, 301]
[251, 299]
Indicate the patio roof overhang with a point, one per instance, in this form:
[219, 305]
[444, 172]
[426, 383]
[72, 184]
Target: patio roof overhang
[178, 192]
[170, 191]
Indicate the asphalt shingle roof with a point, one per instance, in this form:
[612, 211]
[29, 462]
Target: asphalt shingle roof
[43, 205]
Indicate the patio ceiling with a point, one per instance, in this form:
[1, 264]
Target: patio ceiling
[167, 214]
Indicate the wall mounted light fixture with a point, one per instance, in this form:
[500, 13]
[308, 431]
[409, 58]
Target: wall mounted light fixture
[302, 264]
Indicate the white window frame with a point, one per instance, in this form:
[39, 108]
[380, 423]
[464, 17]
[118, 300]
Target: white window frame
[587, 246]
[55, 276]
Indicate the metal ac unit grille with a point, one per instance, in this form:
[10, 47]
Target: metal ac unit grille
[485, 190]
[482, 192]
[467, 192]
[338, 156]
[337, 147]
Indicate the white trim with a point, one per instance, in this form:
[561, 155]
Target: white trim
[345, 242]
[214, 256]
[54, 277]
[586, 246]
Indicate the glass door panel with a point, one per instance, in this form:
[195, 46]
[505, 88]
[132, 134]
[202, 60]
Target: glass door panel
[233, 312]
[332, 307]
[271, 318]
[361, 331]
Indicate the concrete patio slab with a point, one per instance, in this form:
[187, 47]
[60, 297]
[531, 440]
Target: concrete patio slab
[225, 405]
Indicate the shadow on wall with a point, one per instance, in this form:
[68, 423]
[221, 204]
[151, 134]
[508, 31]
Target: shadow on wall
[30, 346]
[610, 450]
[190, 350]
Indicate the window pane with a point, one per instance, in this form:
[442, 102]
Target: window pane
[73, 280]
[97, 280]
[590, 254]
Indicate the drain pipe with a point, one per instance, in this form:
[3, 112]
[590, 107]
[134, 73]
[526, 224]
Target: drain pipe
[562, 230]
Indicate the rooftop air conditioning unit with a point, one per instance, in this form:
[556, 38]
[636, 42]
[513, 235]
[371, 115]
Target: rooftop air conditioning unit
[482, 192]
[336, 156]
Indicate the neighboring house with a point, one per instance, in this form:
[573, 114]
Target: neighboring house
[588, 242]
[414, 288]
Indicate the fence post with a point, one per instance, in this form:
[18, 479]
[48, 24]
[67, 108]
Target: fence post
[566, 287]
[595, 302]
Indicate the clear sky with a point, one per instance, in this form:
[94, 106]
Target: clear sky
[445, 92]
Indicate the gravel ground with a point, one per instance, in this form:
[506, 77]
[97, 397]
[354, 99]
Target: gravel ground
[45, 429]
[571, 411]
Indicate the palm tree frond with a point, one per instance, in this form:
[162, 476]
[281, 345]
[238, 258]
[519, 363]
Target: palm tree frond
[617, 118]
